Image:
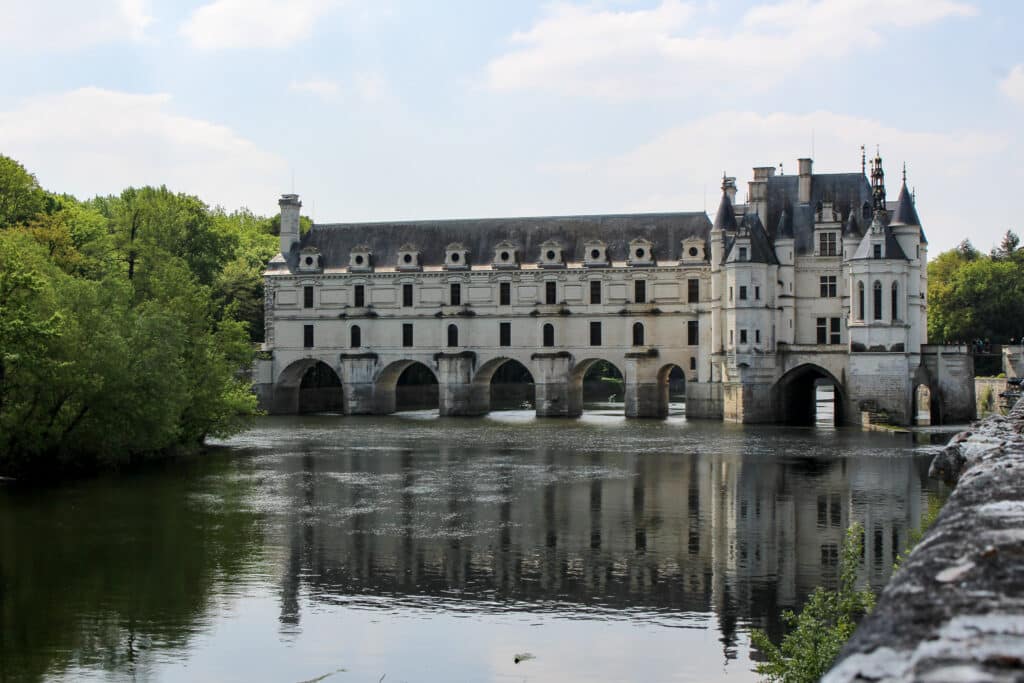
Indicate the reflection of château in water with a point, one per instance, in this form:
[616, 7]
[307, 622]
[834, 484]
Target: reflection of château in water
[697, 535]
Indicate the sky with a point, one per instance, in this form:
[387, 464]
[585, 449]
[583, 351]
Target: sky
[426, 109]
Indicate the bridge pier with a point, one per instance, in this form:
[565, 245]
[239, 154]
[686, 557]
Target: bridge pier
[554, 394]
[357, 381]
[646, 396]
[457, 394]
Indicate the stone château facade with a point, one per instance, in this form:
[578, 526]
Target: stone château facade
[818, 278]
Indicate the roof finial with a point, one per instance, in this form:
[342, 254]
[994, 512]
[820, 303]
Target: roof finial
[904, 173]
[863, 161]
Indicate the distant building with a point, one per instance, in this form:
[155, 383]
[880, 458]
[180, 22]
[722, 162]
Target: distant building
[817, 279]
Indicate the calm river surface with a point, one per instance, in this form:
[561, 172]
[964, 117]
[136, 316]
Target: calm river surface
[427, 549]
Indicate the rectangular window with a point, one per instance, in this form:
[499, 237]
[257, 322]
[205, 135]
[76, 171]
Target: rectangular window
[730, 337]
[833, 331]
[456, 294]
[505, 294]
[693, 290]
[730, 293]
[827, 244]
[827, 285]
[407, 334]
[743, 292]
[504, 334]
[743, 336]
[757, 336]
[595, 291]
[743, 254]
[407, 295]
[822, 328]
[360, 296]
[595, 334]
[307, 336]
[307, 297]
[551, 292]
[757, 293]
[640, 291]
[693, 363]
[877, 251]
[692, 332]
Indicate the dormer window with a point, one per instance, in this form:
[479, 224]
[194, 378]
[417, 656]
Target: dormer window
[505, 255]
[877, 250]
[693, 250]
[551, 255]
[641, 252]
[408, 258]
[309, 260]
[596, 254]
[827, 244]
[742, 255]
[456, 257]
[360, 259]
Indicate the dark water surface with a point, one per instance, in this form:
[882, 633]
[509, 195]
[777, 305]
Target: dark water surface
[429, 549]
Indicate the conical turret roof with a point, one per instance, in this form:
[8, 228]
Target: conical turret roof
[725, 219]
[905, 213]
[784, 231]
[851, 229]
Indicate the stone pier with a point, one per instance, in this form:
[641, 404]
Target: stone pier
[955, 610]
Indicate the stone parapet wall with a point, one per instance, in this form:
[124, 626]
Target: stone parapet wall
[955, 610]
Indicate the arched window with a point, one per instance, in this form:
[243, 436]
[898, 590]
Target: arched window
[878, 300]
[895, 301]
[549, 334]
[860, 301]
[355, 337]
[638, 334]
[453, 335]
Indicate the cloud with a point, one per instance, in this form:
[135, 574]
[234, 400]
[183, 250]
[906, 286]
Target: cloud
[1013, 85]
[580, 50]
[232, 24]
[319, 87]
[92, 141]
[55, 25]
[680, 168]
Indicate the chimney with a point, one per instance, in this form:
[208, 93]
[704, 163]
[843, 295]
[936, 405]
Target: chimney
[290, 206]
[804, 195]
[758, 191]
[729, 187]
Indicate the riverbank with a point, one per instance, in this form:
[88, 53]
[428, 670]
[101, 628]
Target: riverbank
[955, 610]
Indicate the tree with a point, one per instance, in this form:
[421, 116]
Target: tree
[21, 198]
[1007, 247]
[974, 296]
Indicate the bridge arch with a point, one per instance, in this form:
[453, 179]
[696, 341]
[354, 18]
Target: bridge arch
[308, 385]
[795, 395]
[671, 382]
[405, 384]
[503, 383]
[578, 378]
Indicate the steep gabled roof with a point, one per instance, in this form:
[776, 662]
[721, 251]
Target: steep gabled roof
[847, 192]
[891, 249]
[761, 250]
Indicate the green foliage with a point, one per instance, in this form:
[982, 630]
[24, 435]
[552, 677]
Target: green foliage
[928, 518]
[21, 198]
[974, 296]
[124, 323]
[825, 623]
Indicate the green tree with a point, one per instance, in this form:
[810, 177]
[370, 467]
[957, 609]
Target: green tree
[975, 297]
[21, 198]
[824, 624]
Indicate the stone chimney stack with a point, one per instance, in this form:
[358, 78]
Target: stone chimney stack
[805, 181]
[758, 189]
[290, 207]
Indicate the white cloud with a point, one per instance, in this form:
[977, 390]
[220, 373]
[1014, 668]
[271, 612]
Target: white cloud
[59, 25]
[1013, 85]
[92, 141]
[316, 86]
[229, 24]
[680, 169]
[579, 50]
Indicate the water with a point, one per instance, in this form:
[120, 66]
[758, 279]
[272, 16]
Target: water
[427, 549]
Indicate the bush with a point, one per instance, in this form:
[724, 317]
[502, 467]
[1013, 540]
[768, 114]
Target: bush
[824, 624]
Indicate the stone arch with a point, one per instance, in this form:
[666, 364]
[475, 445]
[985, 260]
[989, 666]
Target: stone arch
[389, 394]
[795, 395]
[576, 381]
[488, 395]
[308, 385]
[671, 382]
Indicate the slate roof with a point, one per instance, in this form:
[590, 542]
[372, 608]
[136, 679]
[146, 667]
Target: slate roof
[891, 247]
[847, 191]
[761, 249]
[480, 236]
[725, 219]
[905, 212]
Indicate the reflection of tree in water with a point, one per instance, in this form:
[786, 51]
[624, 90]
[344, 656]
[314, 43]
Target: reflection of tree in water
[77, 589]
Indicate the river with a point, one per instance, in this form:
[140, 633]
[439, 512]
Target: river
[416, 548]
